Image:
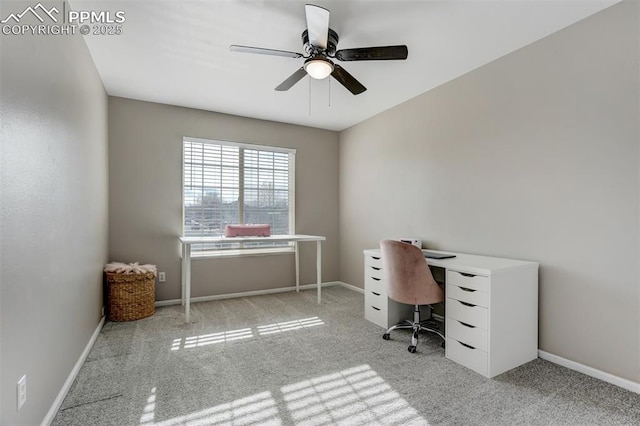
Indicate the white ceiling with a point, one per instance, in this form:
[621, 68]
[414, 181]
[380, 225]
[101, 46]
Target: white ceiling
[177, 52]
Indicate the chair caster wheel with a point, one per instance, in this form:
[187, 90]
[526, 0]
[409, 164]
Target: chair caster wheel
[386, 336]
[412, 349]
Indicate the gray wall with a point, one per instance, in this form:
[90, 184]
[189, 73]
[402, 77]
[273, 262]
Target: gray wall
[145, 195]
[533, 156]
[53, 213]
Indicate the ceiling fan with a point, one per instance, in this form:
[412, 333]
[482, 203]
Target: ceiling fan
[320, 43]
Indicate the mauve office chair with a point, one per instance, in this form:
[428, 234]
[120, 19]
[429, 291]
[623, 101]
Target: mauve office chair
[409, 280]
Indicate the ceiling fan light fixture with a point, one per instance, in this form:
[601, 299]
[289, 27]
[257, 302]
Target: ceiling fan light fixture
[318, 67]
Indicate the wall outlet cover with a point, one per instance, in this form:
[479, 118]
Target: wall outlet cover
[22, 391]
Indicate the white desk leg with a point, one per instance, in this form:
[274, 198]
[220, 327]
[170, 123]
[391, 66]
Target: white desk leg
[187, 289]
[183, 281]
[319, 268]
[297, 266]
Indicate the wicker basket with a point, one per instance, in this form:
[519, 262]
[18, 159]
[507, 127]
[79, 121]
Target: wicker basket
[131, 296]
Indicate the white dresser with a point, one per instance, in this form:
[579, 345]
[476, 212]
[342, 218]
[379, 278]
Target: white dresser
[491, 309]
[377, 307]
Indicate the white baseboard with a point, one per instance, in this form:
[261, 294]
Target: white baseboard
[590, 371]
[248, 293]
[350, 287]
[57, 403]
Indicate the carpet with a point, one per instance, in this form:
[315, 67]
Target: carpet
[282, 359]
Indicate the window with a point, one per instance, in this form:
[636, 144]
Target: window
[230, 183]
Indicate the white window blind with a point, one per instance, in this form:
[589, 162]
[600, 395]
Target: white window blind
[232, 183]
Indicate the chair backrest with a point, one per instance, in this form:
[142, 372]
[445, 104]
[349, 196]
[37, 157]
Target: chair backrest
[408, 277]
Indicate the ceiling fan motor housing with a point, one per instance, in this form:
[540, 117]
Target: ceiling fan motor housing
[311, 50]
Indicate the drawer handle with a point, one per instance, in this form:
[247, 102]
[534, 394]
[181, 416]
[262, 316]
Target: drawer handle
[376, 258]
[376, 279]
[467, 304]
[470, 290]
[464, 274]
[377, 269]
[467, 325]
[377, 309]
[468, 346]
[377, 294]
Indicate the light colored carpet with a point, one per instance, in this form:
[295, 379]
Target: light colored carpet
[284, 359]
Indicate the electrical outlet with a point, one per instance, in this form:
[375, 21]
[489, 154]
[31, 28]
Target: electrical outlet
[22, 391]
[161, 277]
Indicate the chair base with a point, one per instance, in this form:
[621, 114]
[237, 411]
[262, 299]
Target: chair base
[417, 326]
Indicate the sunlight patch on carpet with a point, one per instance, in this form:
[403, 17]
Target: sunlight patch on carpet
[356, 395]
[254, 409]
[289, 325]
[244, 333]
[211, 339]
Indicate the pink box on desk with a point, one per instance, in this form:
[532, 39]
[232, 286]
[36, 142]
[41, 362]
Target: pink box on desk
[247, 231]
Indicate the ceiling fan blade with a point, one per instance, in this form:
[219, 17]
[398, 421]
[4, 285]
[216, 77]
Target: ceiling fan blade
[318, 25]
[381, 53]
[293, 79]
[262, 51]
[347, 80]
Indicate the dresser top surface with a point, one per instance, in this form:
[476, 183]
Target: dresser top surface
[471, 263]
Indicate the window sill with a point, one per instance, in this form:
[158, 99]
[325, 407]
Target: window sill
[216, 254]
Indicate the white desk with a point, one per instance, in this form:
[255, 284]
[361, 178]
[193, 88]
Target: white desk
[186, 259]
[491, 309]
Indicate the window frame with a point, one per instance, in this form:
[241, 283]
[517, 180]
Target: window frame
[250, 251]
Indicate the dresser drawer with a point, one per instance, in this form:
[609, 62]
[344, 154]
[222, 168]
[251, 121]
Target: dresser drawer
[375, 284]
[464, 294]
[374, 261]
[465, 333]
[474, 282]
[470, 314]
[373, 271]
[472, 358]
[377, 300]
[376, 315]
